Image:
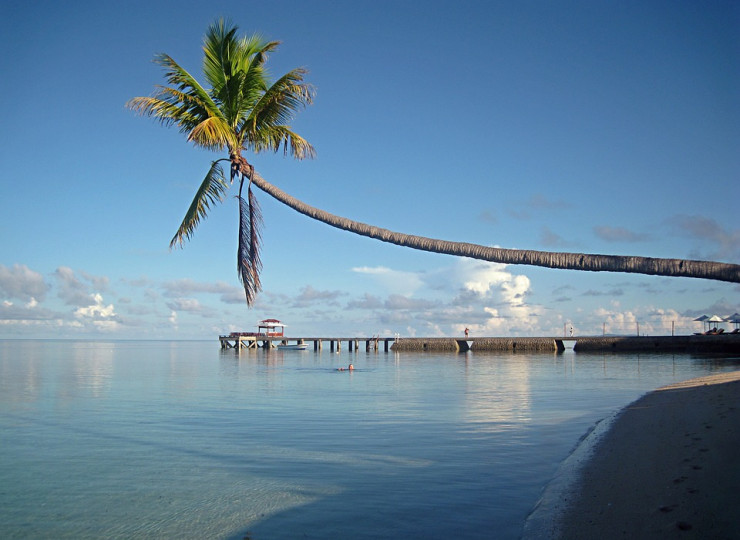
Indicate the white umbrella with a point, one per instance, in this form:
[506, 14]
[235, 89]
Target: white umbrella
[715, 319]
[702, 319]
[734, 319]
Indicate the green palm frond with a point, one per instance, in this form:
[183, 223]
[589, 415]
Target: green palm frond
[253, 85]
[211, 191]
[221, 51]
[234, 68]
[279, 104]
[166, 112]
[180, 79]
[213, 134]
[187, 105]
[225, 55]
[293, 144]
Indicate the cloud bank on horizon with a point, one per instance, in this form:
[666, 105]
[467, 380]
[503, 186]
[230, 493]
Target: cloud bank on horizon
[488, 298]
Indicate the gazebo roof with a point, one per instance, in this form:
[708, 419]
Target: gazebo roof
[271, 322]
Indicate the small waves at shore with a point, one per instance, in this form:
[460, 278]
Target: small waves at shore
[543, 521]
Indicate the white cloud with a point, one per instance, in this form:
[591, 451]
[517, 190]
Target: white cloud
[480, 277]
[99, 283]
[98, 309]
[397, 301]
[483, 296]
[501, 297]
[619, 234]
[100, 316]
[536, 203]
[33, 317]
[393, 281]
[71, 289]
[13, 313]
[185, 304]
[550, 238]
[660, 320]
[22, 283]
[367, 301]
[724, 243]
[192, 306]
[616, 322]
[492, 281]
[229, 294]
[309, 295]
[648, 320]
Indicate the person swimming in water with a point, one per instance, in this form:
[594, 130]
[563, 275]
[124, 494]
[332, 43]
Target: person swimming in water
[350, 368]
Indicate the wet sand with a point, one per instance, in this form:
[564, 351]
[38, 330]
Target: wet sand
[668, 467]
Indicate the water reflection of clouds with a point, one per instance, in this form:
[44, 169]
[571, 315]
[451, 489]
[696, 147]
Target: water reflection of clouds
[92, 368]
[21, 372]
[182, 375]
[498, 394]
[30, 373]
[242, 370]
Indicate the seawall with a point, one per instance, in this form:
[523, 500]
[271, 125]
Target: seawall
[709, 344]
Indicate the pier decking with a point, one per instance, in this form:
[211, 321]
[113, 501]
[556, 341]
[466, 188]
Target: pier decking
[233, 341]
[694, 343]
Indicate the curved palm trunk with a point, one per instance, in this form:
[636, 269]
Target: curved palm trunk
[568, 261]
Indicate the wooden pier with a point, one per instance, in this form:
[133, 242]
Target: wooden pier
[240, 341]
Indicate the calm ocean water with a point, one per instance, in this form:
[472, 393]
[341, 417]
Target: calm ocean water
[184, 440]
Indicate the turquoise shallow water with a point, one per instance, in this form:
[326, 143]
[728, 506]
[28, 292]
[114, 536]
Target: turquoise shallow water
[184, 440]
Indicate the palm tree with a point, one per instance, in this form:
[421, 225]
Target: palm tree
[243, 112]
[567, 261]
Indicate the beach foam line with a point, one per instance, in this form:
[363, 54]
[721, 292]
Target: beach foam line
[544, 519]
[664, 465]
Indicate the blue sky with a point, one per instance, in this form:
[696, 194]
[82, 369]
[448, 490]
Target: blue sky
[595, 127]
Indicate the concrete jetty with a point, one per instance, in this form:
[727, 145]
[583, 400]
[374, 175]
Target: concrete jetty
[694, 343]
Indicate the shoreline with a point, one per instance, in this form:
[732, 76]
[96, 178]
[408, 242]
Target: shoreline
[662, 467]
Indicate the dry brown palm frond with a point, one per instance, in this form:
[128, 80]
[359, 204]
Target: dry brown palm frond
[249, 264]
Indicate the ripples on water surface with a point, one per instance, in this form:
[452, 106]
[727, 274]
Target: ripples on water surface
[183, 440]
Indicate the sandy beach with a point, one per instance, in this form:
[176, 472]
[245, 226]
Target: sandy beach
[667, 467]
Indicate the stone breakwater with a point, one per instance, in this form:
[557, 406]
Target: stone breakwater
[709, 344]
[476, 344]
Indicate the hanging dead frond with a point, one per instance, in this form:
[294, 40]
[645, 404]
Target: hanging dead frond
[249, 264]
